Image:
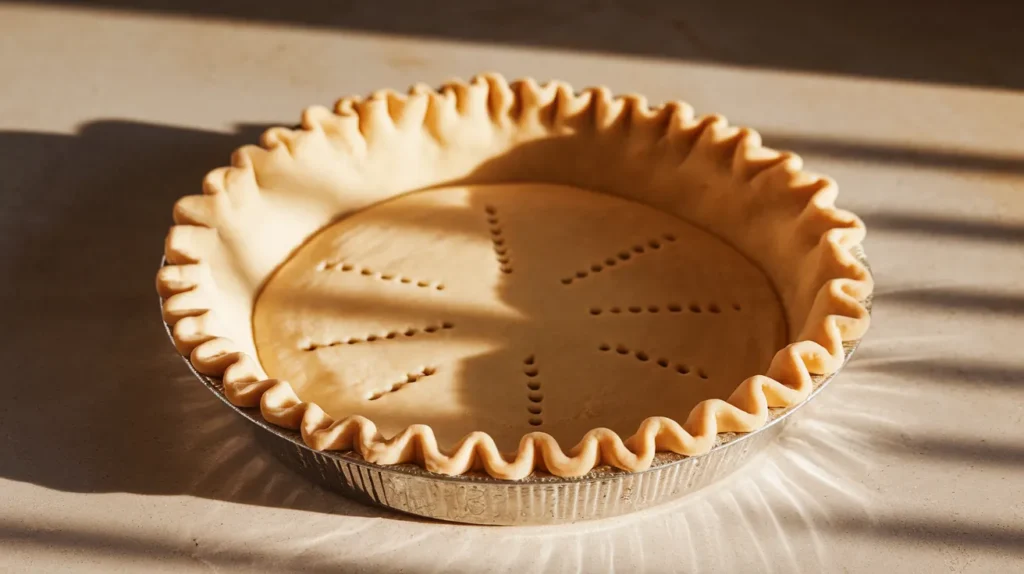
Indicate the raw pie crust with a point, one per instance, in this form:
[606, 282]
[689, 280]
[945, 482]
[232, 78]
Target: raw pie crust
[570, 269]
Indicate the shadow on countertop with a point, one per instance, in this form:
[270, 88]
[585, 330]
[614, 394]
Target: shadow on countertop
[948, 42]
[96, 398]
[101, 401]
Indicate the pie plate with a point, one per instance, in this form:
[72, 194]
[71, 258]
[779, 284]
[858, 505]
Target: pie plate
[452, 279]
[539, 499]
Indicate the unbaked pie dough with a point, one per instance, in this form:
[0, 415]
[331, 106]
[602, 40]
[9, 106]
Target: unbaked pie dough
[515, 308]
[514, 277]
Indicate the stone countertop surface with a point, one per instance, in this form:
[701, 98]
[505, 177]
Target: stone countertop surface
[113, 458]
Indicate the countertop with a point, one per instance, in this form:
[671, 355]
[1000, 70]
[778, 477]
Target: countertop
[113, 458]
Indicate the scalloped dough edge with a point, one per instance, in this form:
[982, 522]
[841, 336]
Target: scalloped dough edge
[836, 314]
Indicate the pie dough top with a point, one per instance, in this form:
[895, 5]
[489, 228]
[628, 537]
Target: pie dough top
[287, 205]
[515, 308]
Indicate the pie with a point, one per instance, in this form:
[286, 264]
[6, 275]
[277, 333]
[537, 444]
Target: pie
[513, 277]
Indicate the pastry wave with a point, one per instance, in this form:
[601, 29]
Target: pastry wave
[252, 215]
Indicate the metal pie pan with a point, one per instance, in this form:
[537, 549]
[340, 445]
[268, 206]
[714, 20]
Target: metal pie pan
[477, 498]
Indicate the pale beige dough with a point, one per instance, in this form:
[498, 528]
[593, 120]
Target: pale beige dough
[331, 327]
[515, 308]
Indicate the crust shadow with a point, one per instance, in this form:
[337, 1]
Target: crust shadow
[96, 398]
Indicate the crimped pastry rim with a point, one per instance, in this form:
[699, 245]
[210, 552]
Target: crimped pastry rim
[193, 299]
[777, 415]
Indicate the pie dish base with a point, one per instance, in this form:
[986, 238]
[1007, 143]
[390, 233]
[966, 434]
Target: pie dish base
[539, 499]
[420, 311]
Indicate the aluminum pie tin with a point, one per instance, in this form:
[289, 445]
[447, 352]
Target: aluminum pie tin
[539, 499]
